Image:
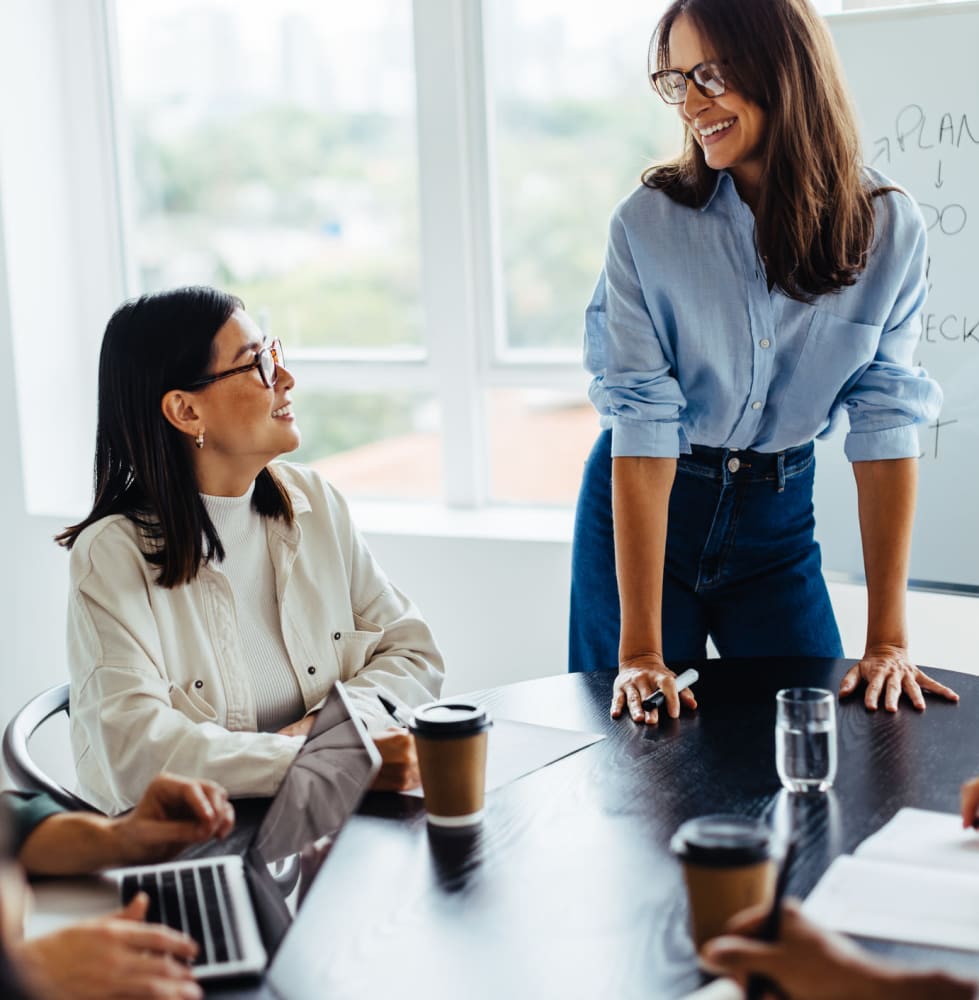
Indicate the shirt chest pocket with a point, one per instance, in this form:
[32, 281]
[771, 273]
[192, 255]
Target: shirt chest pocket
[355, 649]
[834, 354]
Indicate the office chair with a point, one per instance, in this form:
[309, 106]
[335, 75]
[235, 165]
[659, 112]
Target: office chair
[25, 774]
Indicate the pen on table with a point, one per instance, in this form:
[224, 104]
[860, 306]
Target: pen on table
[393, 711]
[757, 986]
[683, 681]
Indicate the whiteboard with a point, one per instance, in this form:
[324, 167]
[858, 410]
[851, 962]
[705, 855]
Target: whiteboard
[914, 77]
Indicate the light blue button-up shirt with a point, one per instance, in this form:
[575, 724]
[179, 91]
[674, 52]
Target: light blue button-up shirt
[688, 346]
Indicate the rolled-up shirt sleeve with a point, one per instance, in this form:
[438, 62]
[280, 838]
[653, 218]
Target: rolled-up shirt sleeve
[893, 395]
[633, 389]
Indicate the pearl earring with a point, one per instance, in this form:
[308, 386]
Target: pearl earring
[199, 440]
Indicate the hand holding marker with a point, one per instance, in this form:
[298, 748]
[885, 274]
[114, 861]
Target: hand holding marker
[683, 681]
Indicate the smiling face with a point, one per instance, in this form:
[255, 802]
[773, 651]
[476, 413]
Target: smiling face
[729, 129]
[245, 423]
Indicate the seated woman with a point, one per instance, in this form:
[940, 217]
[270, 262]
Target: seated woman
[216, 597]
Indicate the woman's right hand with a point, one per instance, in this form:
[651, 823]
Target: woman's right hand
[117, 956]
[970, 804]
[399, 761]
[641, 676]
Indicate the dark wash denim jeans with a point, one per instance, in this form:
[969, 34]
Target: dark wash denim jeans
[742, 565]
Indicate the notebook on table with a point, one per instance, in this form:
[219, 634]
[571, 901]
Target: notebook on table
[238, 906]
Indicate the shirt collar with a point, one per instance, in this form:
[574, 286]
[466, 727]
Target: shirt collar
[722, 177]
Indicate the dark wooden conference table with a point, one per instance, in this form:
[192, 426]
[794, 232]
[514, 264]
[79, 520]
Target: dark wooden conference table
[569, 890]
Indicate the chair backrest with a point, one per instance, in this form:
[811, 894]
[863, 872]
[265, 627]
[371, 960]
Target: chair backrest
[25, 774]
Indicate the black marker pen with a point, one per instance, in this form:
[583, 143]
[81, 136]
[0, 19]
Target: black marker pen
[683, 681]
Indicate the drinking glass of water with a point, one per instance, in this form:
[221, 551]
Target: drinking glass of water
[805, 739]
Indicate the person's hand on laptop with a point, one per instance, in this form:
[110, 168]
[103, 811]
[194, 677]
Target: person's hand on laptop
[173, 813]
[399, 762]
[109, 957]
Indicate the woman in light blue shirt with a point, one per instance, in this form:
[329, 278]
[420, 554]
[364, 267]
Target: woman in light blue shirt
[754, 289]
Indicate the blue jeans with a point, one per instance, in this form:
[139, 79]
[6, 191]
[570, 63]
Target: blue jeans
[742, 565]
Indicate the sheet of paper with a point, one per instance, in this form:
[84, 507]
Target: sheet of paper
[518, 748]
[919, 837]
[898, 902]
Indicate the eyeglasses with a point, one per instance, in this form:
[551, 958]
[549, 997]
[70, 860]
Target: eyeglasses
[268, 361]
[671, 84]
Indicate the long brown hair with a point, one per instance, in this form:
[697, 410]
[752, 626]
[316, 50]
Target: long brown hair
[814, 221]
[142, 466]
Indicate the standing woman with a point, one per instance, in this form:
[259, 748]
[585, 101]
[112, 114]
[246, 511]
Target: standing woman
[216, 595]
[754, 289]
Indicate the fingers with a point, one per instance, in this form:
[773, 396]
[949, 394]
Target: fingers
[913, 691]
[874, 686]
[930, 684]
[223, 811]
[136, 908]
[635, 695]
[850, 681]
[970, 804]
[892, 691]
[738, 955]
[618, 702]
[154, 938]
[748, 921]
[667, 685]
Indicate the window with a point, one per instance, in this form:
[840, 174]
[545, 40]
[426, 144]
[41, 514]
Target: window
[413, 195]
[271, 151]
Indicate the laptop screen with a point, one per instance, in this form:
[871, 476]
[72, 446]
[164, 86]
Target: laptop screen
[321, 790]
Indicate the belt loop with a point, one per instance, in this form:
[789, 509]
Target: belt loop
[781, 472]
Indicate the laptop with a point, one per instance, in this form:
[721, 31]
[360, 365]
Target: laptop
[239, 904]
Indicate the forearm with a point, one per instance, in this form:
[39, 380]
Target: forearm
[886, 492]
[72, 844]
[640, 505]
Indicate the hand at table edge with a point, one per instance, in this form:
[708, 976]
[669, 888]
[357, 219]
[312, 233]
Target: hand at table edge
[887, 669]
[638, 678]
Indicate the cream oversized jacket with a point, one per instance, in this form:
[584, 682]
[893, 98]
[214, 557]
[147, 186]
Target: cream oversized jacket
[157, 676]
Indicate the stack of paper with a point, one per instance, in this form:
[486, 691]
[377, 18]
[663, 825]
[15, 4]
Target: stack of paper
[916, 880]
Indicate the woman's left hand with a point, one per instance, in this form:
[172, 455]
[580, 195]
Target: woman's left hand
[888, 670]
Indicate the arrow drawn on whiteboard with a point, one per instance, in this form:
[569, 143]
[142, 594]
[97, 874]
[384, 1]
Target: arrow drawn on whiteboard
[883, 145]
[939, 182]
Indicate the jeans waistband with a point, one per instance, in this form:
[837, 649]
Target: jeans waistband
[731, 465]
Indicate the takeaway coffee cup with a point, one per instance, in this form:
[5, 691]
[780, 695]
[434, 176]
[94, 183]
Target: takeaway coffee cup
[729, 863]
[451, 739]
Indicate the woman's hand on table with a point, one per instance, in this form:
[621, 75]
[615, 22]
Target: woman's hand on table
[399, 761]
[970, 804]
[888, 670]
[638, 678]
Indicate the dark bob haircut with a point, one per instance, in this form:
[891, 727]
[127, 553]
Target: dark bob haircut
[143, 467]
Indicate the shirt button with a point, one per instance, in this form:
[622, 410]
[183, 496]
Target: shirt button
[336, 636]
[311, 670]
[756, 405]
[198, 684]
[733, 464]
[765, 343]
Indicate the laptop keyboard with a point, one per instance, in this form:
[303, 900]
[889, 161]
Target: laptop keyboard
[193, 900]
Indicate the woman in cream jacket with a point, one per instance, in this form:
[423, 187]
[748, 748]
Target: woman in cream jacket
[216, 597]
